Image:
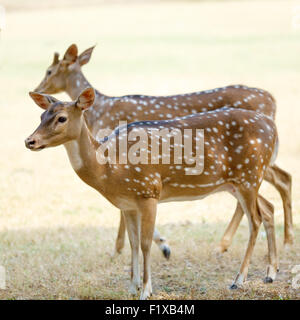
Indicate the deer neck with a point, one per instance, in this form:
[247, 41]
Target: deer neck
[82, 155]
[76, 83]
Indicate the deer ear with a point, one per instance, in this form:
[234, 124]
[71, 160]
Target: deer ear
[55, 58]
[71, 54]
[85, 56]
[85, 99]
[42, 100]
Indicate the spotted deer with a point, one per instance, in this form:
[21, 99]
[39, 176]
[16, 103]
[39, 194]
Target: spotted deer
[239, 147]
[66, 75]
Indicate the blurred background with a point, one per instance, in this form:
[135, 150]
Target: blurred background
[57, 234]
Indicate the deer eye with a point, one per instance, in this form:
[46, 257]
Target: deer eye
[49, 72]
[62, 119]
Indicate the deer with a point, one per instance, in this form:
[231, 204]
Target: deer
[239, 145]
[65, 75]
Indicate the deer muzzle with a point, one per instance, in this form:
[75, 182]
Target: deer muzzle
[33, 143]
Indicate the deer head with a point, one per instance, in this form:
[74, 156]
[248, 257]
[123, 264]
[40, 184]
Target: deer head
[59, 71]
[61, 122]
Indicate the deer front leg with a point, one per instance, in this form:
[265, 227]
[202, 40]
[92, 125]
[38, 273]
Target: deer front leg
[231, 229]
[266, 210]
[120, 241]
[282, 181]
[147, 209]
[133, 229]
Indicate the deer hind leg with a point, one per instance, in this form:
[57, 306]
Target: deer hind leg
[266, 211]
[133, 229]
[282, 181]
[231, 229]
[162, 244]
[120, 241]
[147, 209]
[157, 238]
[248, 202]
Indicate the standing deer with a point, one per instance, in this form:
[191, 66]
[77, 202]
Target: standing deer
[239, 146]
[66, 75]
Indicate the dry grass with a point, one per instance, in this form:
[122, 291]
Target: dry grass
[57, 234]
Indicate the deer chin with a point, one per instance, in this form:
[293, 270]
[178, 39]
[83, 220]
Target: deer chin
[39, 148]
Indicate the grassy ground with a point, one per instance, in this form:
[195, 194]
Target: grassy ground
[57, 234]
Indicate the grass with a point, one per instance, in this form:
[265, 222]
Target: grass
[56, 233]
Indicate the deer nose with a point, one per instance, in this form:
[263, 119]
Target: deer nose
[30, 142]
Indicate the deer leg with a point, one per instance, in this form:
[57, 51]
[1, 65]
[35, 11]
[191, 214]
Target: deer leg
[231, 229]
[133, 230]
[282, 181]
[162, 244]
[266, 210]
[157, 238]
[147, 209]
[248, 203]
[120, 241]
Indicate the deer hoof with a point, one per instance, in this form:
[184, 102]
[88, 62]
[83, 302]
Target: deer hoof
[268, 280]
[166, 252]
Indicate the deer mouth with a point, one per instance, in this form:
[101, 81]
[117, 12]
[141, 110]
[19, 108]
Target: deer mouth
[35, 148]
